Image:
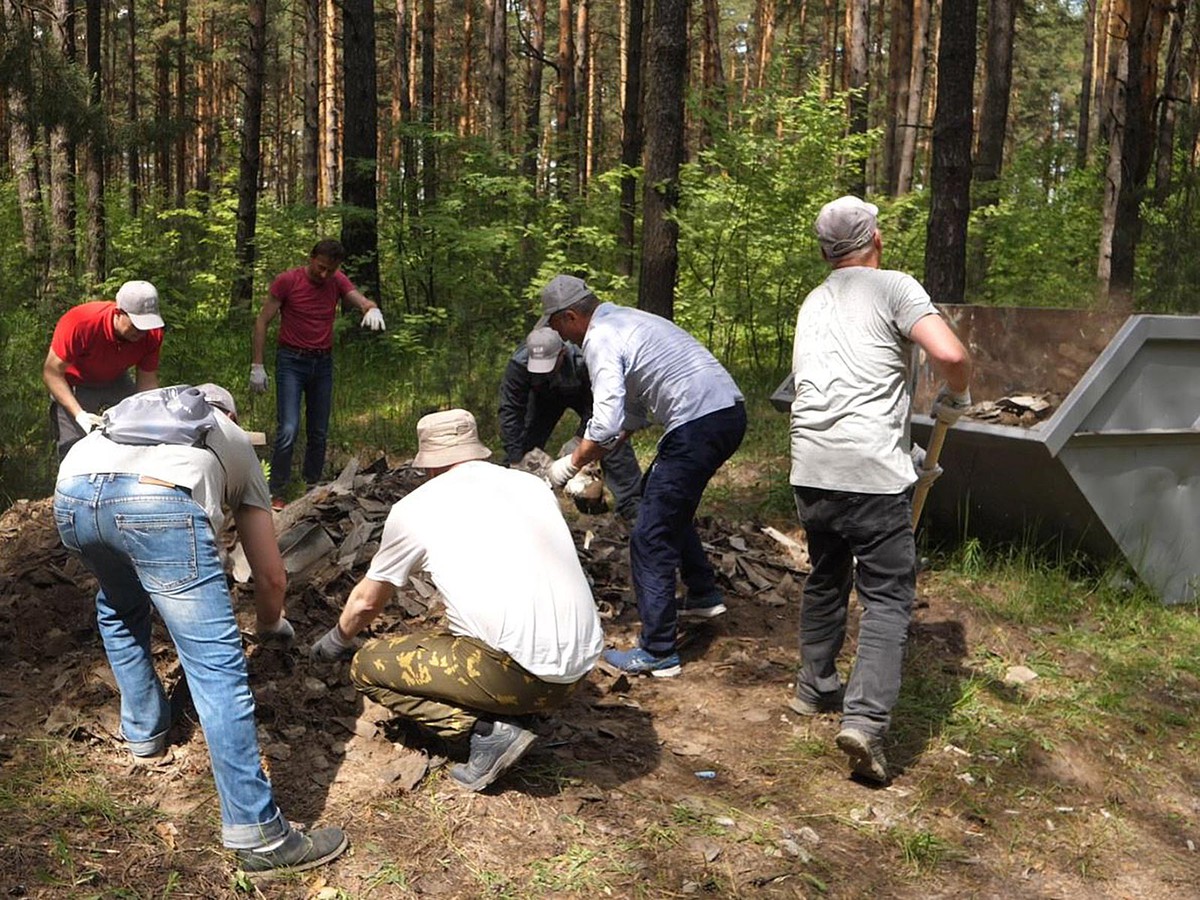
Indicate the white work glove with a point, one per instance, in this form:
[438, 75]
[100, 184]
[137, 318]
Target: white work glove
[948, 405]
[561, 471]
[258, 378]
[87, 421]
[373, 319]
[925, 477]
[576, 484]
[331, 647]
[280, 634]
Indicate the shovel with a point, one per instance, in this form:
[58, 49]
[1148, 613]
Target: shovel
[932, 452]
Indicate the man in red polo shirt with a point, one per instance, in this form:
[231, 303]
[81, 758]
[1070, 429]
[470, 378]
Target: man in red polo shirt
[93, 347]
[306, 300]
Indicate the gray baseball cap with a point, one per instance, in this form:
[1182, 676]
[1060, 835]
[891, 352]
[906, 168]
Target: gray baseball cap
[139, 301]
[562, 291]
[845, 225]
[543, 345]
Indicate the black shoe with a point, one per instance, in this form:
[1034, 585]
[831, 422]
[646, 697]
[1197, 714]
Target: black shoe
[492, 753]
[866, 754]
[300, 850]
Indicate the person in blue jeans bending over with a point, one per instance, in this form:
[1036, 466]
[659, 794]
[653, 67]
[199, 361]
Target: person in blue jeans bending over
[853, 470]
[145, 519]
[306, 299]
[645, 368]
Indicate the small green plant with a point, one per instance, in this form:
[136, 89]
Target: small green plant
[921, 849]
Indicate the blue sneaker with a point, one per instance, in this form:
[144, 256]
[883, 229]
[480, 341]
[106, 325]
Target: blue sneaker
[703, 606]
[642, 662]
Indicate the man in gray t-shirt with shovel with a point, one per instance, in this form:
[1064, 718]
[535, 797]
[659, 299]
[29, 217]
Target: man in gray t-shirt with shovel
[852, 470]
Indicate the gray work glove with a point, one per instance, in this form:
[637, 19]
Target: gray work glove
[925, 477]
[948, 405]
[281, 634]
[258, 378]
[87, 421]
[331, 647]
[561, 471]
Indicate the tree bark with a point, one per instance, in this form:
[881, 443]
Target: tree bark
[182, 119]
[567, 168]
[330, 108]
[950, 181]
[311, 148]
[857, 39]
[997, 87]
[631, 136]
[360, 234]
[466, 90]
[97, 226]
[665, 81]
[1082, 137]
[429, 179]
[712, 73]
[900, 63]
[162, 104]
[1172, 94]
[533, 90]
[62, 149]
[249, 157]
[497, 78]
[916, 91]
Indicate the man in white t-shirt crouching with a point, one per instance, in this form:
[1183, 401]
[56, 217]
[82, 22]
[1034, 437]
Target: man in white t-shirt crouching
[523, 629]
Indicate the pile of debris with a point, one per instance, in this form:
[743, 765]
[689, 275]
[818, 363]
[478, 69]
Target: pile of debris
[1019, 410]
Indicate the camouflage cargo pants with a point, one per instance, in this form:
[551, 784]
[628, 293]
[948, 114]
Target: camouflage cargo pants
[444, 682]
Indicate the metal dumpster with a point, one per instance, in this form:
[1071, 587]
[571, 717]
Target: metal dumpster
[1114, 470]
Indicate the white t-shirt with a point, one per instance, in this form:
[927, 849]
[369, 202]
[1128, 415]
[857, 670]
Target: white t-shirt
[853, 366]
[227, 472]
[644, 367]
[495, 543]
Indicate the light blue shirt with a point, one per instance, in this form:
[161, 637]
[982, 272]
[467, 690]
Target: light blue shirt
[645, 368]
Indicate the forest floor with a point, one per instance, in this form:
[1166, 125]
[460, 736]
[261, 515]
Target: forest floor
[701, 785]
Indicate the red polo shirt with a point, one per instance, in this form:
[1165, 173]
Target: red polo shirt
[307, 309]
[85, 340]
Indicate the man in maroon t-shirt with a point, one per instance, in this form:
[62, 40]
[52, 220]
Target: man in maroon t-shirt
[93, 347]
[306, 300]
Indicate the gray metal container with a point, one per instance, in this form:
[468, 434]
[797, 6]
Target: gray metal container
[1115, 470]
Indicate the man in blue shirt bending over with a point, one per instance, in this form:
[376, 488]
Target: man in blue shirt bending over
[645, 369]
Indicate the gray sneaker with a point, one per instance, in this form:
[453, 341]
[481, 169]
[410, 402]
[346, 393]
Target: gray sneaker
[825, 703]
[866, 754]
[492, 753]
[702, 606]
[300, 850]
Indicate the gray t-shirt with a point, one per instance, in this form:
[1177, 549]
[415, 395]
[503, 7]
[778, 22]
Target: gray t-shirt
[227, 472]
[852, 362]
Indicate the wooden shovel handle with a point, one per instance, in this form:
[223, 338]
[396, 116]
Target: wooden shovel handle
[932, 452]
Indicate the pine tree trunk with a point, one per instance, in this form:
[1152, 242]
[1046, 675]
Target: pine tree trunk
[911, 122]
[583, 99]
[950, 178]
[182, 119]
[1171, 96]
[1082, 137]
[162, 105]
[359, 226]
[631, 136]
[466, 91]
[857, 34]
[330, 119]
[249, 157]
[311, 146]
[97, 227]
[712, 72]
[429, 179]
[566, 170]
[497, 80]
[666, 51]
[533, 90]
[900, 63]
[62, 179]
[997, 86]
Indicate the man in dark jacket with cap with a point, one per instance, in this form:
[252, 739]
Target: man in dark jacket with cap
[544, 378]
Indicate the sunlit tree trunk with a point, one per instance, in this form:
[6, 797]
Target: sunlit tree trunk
[330, 109]
[1173, 92]
[162, 103]
[666, 53]
[997, 87]
[466, 91]
[712, 72]
[950, 178]
[900, 62]
[249, 156]
[1083, 135]
[631, 135]
[182, 119]
[583, 100]
[829, 45]
[310, 154]
[566, 168]
[911, 122]
[359, 229]
[857, 35]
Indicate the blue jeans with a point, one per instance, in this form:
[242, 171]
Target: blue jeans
[310, 375]
[664, 540]
[150, 545]
[876, 530]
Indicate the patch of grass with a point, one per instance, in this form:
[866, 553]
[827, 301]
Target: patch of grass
[922, 850]
[576, 870]
[389, 875]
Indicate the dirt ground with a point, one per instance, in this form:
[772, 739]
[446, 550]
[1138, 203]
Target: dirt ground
[701, 785]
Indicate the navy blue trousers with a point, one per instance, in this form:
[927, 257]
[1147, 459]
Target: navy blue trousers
[664, 540]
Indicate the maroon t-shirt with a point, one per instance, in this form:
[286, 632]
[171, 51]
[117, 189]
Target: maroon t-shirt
[307, 309]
